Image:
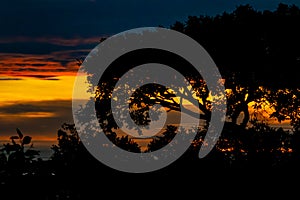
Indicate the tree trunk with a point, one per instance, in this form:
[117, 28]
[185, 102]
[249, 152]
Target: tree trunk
[246, 115]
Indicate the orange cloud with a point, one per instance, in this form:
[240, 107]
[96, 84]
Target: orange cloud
[39, 66]
[53, 40]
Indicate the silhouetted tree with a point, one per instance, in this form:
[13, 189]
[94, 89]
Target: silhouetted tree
[70, 154]
[248, 46]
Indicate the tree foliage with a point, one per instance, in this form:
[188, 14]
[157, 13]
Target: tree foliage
[257, 53]
[19, 156]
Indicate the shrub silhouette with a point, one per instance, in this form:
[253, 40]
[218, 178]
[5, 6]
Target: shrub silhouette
[70, 155]
[18, 157]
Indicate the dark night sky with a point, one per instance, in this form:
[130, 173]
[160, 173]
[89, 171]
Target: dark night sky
[86, 18]
[44, 26]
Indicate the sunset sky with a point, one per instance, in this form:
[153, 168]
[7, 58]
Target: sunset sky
[40, 40]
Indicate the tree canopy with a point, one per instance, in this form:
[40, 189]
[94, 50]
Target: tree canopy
[257, 53]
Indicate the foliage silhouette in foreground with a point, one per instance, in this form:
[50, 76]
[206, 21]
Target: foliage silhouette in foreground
[19, 156]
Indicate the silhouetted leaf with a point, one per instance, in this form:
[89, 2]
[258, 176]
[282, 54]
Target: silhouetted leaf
[61, 133]
[14, 137]
[26, 140]
[19, 133]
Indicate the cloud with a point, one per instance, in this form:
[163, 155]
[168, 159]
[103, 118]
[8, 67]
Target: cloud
[13, 66]
[52, 79]
[22, 108]
[41, 76]
[39, 60]
[59, 41]
[28, 45]
[37, 119]
[9, 79]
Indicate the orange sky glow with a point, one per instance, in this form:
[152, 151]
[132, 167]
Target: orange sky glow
[36, 93]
